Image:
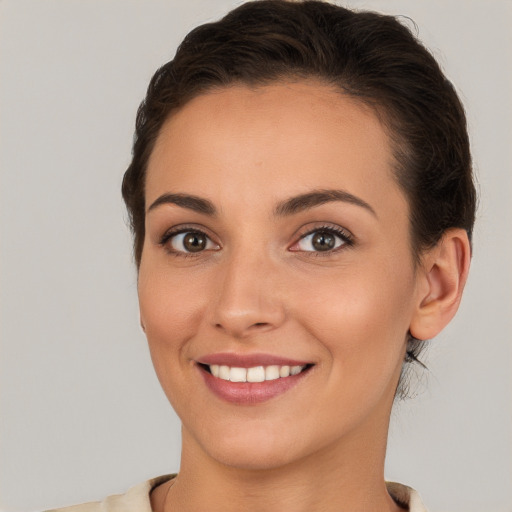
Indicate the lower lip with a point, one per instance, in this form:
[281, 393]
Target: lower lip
[250, 392]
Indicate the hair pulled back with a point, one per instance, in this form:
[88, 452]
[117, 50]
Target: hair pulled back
[370, 56]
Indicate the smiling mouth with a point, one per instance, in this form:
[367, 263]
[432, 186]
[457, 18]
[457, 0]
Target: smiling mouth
[255, 373]
[251, 379]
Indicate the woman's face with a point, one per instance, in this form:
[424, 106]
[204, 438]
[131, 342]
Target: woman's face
[276, 237]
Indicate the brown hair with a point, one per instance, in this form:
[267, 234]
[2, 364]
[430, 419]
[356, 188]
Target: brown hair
[370, 56]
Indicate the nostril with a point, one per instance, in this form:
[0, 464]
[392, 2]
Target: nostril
[260, 326]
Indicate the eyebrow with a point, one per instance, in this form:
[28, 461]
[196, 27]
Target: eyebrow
[195, 203]
[316, 198]
[288, 207]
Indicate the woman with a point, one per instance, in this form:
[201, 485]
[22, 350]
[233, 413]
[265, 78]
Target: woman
[302, 206]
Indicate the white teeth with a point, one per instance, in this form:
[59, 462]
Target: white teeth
[238, 375]
[254, 374]
[224, 372]
[294, 370]
[284, 371]
[272, 372]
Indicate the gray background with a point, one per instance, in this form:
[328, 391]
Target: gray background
[82, 414]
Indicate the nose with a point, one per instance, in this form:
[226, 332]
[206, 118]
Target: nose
[249, 298]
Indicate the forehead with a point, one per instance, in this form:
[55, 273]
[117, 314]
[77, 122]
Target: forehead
[271, 140]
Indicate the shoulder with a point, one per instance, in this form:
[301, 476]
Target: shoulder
[406, 497]
[135, 500]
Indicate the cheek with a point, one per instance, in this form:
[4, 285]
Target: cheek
[171, 309]
[363, 328]
[361, 316]
[170, 304]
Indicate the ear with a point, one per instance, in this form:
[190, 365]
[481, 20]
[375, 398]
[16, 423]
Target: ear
[441, 281]
[142, 324]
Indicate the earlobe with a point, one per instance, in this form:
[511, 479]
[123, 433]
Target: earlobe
[443, 276]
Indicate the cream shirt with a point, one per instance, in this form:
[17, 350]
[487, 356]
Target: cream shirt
[137, 499]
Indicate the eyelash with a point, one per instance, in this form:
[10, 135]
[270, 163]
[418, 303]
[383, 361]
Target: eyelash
[168, 235]
[344, 235]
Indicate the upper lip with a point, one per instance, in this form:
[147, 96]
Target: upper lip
[249, 360]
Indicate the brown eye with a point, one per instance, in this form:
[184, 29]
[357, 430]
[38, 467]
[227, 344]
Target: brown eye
[323, 241]
[194, 242]
[190, 242]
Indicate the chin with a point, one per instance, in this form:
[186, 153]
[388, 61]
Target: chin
[251, 448]
[255, 459]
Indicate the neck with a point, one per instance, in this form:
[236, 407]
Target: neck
[345, 477]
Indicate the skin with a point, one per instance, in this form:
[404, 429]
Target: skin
[260, 286]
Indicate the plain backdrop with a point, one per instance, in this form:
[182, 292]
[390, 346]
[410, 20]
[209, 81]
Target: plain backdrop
[82, 415]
